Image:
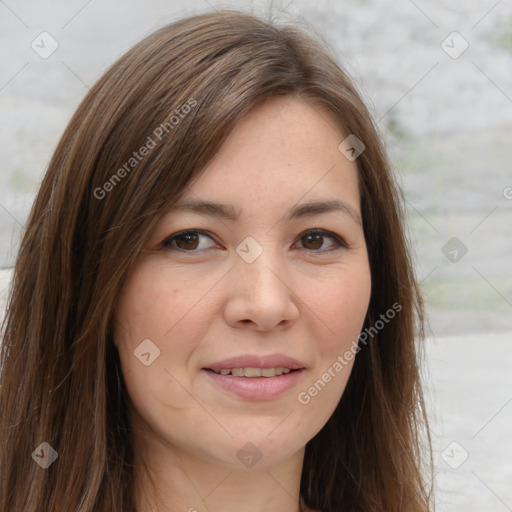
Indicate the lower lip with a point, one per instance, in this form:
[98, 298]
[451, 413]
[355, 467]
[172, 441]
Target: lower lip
[256, 388]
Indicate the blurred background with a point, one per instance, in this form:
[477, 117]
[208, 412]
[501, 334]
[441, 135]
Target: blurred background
[437, 77]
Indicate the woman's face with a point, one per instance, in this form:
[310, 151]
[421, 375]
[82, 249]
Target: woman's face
[263, 288]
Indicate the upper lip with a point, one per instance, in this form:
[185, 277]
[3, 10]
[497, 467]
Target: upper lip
[255, 361]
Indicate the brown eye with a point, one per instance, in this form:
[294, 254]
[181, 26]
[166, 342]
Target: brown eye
[186, 241]
[314, 239]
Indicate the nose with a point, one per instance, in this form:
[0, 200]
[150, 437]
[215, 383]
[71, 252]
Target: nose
[260, 294]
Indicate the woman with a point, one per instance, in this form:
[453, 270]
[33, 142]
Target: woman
[273, 368]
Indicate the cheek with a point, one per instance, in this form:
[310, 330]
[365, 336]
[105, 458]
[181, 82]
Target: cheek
[142, 318]
[160, 318]
[340, 306]
[156, 304]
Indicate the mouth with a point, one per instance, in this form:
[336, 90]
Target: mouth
[253, 383]
[252, 373]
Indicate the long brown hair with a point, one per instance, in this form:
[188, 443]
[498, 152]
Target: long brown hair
[179, 93]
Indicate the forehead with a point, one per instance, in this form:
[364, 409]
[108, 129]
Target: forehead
[282, 151]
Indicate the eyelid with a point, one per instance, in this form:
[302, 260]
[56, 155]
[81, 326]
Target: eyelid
[342, 244]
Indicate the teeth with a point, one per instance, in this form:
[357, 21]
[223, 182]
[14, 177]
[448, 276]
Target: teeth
[254, 372]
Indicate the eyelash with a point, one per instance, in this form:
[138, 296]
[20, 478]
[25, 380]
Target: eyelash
[167, 243]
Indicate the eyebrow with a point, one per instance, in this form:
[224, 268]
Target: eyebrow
[227, 211]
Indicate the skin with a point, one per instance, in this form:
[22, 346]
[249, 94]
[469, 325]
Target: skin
[303, 297]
